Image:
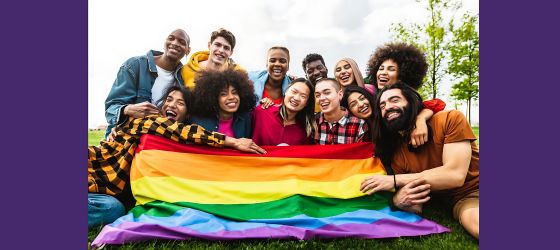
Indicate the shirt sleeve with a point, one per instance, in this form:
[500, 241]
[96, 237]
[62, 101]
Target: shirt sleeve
[434, 105]
[175, 131]
[457, 128]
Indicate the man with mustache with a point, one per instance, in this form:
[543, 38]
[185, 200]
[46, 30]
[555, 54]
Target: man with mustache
[141, 81]
[446, 164]
[217, 57]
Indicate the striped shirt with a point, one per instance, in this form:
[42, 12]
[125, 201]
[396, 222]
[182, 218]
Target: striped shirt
[109, 163]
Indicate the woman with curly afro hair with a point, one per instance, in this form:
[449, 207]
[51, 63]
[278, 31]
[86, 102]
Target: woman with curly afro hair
[398, 61]
[223, 101]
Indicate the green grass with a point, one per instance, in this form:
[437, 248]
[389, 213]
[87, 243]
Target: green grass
[476, 132]
[95, 136]
[457, 239]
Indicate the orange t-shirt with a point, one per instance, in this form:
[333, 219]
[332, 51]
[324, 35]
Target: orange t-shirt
[447, 127]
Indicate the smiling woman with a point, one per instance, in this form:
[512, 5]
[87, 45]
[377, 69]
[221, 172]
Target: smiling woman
[223, 102]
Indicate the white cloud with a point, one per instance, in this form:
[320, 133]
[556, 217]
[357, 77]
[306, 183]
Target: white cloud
[335, 29]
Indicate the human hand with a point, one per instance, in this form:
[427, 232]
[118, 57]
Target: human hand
[141, 110]
[374, 183]
[112, 135]
[419, 135]
[412, 195]
[266, 102]
[244, 145]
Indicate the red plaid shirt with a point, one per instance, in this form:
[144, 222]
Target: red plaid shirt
[349, 129]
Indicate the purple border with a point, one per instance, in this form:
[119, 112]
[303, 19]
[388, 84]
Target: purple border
[44, 45]
[519, 44]
[40, 178]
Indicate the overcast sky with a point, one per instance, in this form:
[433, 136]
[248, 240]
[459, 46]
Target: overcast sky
[118, 30]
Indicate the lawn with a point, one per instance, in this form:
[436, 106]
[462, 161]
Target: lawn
[457, 239]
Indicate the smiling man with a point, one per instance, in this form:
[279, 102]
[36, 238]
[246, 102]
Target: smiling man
[141, 80]
[270, 84]
[314, 67]
[217, 57]
[446, 164]
[334, 123]
[109, 163]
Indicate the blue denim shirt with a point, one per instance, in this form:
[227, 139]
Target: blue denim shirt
[242, 127]
[259, 80]
[133, 85]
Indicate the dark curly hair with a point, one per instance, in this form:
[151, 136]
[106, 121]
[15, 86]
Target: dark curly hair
[209, 84]
[410, 59]
[311, 58]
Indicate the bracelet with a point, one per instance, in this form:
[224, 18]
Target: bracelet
[395, 180]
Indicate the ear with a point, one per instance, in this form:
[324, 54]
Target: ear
[209, 43]
[340, 94]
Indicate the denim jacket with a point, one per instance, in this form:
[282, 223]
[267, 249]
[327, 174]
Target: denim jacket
[133, 85]
[259, 80]
[242, 127]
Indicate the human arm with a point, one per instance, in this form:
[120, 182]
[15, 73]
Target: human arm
[183, 133]
[419, 135]
[456, 158]
[128, 88]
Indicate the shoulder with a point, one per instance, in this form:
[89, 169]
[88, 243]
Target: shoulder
[254, 74]
[135, 61]
[447, 116]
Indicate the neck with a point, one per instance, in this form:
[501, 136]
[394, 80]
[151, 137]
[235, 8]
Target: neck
[225, 115]
[165, 63]
[210, 65]
[290, 117]
[270, 83]
[334, 116]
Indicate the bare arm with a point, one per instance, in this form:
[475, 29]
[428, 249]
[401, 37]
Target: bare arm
[456, 160]
[419, 135]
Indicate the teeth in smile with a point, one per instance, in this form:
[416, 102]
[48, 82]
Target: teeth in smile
[364, 110]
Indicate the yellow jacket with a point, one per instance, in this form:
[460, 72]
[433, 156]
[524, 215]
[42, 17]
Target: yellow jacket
[188, 72]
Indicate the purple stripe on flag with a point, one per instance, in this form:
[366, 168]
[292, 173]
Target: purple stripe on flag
[135, 231]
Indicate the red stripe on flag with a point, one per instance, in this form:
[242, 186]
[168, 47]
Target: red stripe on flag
[340, 151]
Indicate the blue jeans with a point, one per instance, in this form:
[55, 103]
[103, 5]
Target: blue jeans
[103, 209]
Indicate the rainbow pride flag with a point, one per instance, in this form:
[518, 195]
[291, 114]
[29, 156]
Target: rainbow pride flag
[297, 192]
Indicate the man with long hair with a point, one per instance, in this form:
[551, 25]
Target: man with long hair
[446, 164]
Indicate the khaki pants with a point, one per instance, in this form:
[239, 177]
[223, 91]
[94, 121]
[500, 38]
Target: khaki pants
[470, 200]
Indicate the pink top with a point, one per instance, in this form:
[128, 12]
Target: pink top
[269, 130]
[226, 127]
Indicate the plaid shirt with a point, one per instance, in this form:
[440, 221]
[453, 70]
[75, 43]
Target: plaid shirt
[349, 129]
[109, 164]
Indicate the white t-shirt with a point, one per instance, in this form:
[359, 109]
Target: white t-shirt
[163, 81]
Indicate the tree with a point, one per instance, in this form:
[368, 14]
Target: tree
[429, 37]
[464, 60]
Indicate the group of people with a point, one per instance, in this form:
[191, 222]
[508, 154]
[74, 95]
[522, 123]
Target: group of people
[214, 101]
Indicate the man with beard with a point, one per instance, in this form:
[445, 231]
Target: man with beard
[216, 58]
[141, 81]
[447, 164]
